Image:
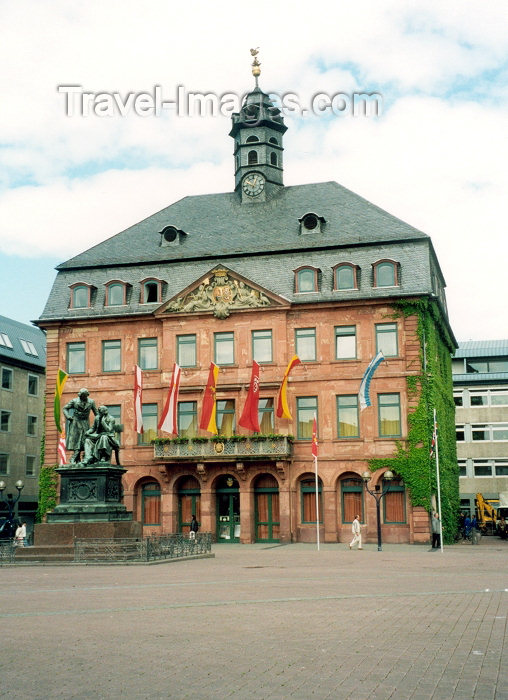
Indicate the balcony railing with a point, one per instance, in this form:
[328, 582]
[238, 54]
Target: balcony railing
[218, 449]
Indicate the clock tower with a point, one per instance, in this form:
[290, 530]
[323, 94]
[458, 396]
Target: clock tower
[257, 131]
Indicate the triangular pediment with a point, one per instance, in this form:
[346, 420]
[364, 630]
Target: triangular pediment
[220, 292]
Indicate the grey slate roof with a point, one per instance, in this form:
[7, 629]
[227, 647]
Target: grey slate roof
[16, 332]
[261, 242]
[482, 348]
[219, 224]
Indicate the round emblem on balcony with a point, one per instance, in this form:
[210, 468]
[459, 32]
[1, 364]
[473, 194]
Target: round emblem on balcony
[219, 447]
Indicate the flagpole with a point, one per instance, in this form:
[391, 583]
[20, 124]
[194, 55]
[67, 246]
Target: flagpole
[315, 456]
[438, 484]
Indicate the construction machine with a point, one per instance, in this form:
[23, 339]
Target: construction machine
[486, 516]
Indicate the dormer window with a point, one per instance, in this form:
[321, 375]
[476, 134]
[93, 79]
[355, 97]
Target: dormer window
[115, 293]
[81, 296]
[252, 158]
[386, 273]
[306, 280]
[151, 291]
[171, 235]
[251, 139]
[311, 223]
[345, 276]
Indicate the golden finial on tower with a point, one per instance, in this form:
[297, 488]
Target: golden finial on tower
[256, 65]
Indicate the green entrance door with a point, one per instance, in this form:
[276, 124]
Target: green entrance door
[267, 509]
[228, 509]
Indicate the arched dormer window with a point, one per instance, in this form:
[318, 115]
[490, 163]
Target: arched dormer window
[81, 296]
[273, 140]
[151, 291]
[115, 293]
[306, 280]
[253, 158]
[251, 139]
[273, 158]
[386, 273]
[345, 276]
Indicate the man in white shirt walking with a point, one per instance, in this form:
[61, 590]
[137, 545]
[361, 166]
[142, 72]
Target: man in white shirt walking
[356, 529]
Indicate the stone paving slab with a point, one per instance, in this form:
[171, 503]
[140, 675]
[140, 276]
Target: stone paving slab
[263, 622]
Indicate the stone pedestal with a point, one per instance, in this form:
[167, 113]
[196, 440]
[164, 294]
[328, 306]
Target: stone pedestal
[90, 494]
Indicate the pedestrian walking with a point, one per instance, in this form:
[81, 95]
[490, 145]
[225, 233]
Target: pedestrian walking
[436, 540]
[356, 529]
[194, 527]
[20, 536]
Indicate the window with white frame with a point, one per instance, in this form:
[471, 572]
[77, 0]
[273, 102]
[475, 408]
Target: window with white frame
[460, 433]
[488, 397]
[482, 467]
[492, 432]
[462, 467]
[33, 385]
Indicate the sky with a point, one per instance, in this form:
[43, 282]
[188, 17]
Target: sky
[435, 154]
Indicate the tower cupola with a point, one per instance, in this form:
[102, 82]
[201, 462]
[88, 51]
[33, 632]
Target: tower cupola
[257, 131]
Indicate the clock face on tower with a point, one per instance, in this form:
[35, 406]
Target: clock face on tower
[253, 184]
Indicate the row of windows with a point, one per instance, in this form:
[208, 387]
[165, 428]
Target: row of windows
[224, 348]
[31, 464]
[470, 398]
[385, 273]
[27, 345]
[480, 365]
[347, 426]
[478, 432]
[7, 381]
[5, 423]
[266, 491]
[483, 467]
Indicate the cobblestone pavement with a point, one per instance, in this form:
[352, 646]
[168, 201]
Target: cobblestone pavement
[264, 622]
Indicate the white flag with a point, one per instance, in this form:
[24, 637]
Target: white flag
[138, 390]
[168, 421]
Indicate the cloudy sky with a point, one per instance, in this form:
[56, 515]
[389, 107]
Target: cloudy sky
[436, 156]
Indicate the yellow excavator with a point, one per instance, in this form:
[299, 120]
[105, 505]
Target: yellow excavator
[487, 515]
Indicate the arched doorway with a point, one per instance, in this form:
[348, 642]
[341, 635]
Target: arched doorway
[151, 503]
[267, 517]
[189, 502]
[228, 509]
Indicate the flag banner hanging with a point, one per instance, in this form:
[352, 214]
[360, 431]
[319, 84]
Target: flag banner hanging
[363, 394]
[250, 418]
[138, 393]
[434, 439]
[62, 454]
[169, 417]
[208, 412]
[314, 438]
[282, 401]
[61, 378]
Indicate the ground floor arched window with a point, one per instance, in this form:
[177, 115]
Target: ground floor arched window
[394, 502]
[267, 515]
[352, 499]
[308, 500]
[189, 502]
[151, 503]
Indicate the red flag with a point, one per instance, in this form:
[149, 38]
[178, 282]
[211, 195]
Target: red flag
[250, 418]
[314, 439]
[138, 390]
[282, 401]
[208, 413]
[168, 421]
[434, 439]
[62, 455]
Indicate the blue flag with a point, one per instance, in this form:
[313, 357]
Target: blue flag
[365, 385]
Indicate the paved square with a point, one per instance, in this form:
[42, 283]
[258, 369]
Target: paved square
[263, 622]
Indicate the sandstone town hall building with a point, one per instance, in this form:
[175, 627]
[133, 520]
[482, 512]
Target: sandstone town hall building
[263, 273]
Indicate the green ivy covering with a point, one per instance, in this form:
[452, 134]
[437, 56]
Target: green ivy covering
[48, 480]
[431, 388]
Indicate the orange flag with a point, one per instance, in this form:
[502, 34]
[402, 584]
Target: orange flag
[282, 401]
[208, 413]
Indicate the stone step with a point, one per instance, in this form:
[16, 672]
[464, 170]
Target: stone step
[45, 553]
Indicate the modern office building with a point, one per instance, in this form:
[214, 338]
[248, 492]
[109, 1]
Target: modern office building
[22, 388]
[263, 273]
[480, 389]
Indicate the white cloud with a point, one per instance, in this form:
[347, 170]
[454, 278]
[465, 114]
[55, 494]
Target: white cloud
[437, 162]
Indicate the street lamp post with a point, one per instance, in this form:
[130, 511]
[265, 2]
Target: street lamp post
[378, 495]
[10, 502]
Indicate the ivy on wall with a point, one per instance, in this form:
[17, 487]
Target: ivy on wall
[430, 388]
[48, 480]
